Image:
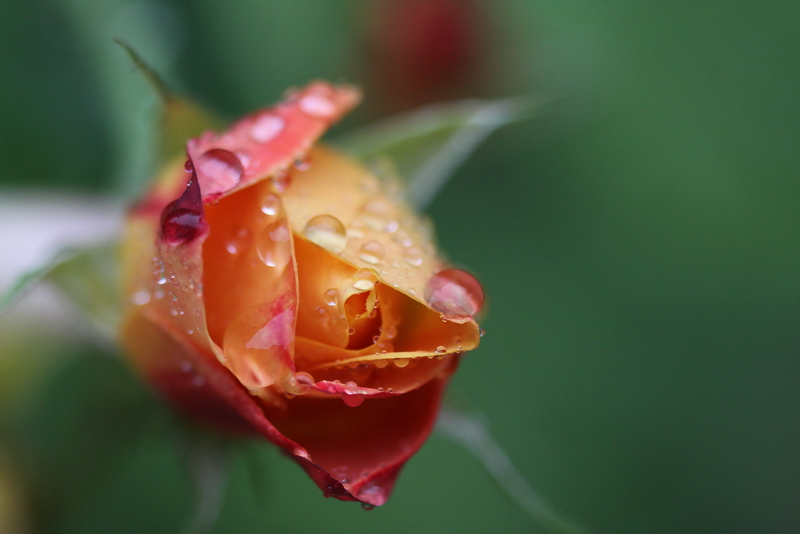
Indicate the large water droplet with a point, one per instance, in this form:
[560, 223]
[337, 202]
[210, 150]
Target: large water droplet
[220, 170]
[266, 127]
[326, 231]
[401, 362]
[454, 293]
[182, 219]
[273, 245]
[372, 252]
[365, 279]
[352, 400]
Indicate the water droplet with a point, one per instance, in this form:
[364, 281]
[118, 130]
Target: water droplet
[402, 238]
[302, 164]
[372, 252]
[273, 245]
[266, 127]
[331, 297]
[379, 214]
[482, 332]
[401, 362]
[352, 400]
[390, 332]
[140, 298]
[317, 106]
[326, 231]
[180, 224]
[220, 171]
[413, 256]
[238, 241]
[367, 506]
[365, 279]
[351, 331]
[301, 452]
[280, 181]
[375, 339]
[304, 378]
[454, 293]
[412, 292]
[380, 364]
[441, 349]
[244, 157]
[270, 204]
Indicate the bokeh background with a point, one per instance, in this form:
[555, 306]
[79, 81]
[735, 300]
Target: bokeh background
[638, 242]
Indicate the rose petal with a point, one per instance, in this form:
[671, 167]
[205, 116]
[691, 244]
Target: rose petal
[268, 142]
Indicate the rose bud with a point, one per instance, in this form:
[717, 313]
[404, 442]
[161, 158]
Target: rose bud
[282, 289]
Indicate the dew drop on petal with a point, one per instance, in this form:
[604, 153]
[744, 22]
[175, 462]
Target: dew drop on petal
[220, 170]
[304, 378]
[280, 181]
[302, 164]
[390, 332]
[365, 279]
[301, 452]
[372, 252]
[379, 214]
[441, 349]
[266, 127]
[413, 256]
[238, 241]
[454, 293]
[326, 231]
[401, 362]
[270, 204]
[331, 297]
[140, 298]
[402, 238]
[317, 106]
[273, 245]
[352, 400]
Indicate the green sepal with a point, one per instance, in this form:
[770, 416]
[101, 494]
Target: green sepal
[428, 145]
[181, 118]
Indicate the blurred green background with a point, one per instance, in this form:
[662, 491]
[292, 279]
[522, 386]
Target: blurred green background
[638, 243]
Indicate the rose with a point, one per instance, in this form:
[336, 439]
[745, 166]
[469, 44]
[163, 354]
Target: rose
[281, 288]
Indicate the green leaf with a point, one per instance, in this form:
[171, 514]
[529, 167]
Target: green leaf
[90, 279]
[428, 145]
[25, 282]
